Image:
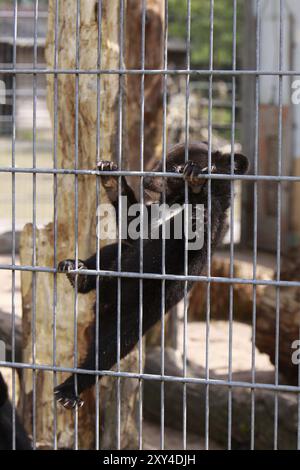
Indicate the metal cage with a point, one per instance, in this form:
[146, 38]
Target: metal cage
[14, 71]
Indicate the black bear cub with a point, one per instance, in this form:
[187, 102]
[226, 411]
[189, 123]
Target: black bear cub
[193, 172]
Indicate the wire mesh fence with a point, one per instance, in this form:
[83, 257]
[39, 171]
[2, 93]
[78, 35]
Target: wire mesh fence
[233, 75]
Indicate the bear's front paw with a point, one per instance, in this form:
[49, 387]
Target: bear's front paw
[192, 173]
[110, 182]
[67, 266]
[106, 165]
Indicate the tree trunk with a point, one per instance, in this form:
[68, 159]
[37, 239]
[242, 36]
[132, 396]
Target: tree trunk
[41, 324]
[154, 48]
[153, 83]
[218, 409]
[133, 131]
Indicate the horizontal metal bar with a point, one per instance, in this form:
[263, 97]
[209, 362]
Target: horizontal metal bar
[22, 14]
[168, 277]
[213, 72]
[156, 377]
[28, 92]
[214, 176]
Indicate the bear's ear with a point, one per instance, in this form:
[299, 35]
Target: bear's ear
[241, 163]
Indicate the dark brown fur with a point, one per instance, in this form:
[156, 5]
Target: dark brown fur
[191, 170]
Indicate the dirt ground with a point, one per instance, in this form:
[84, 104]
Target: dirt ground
[173, 439]
[241, 352]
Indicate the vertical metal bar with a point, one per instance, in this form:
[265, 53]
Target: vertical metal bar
[55, 220]
[278, 228]
[298, 398]
[33, 324]
[231, 267]
[77, 66]
[186, 221]
[13, 223]
[163, 282]
[142, 124]
[210, 97]
[98, 201]
[255, 204]
[120, 146]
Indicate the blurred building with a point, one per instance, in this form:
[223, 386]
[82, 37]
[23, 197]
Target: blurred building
[24, 59]
[278, 49]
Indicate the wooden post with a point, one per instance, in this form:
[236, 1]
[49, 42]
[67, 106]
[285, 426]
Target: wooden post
[65, 114]
[132, 133]
[154, 35]
[44, 298]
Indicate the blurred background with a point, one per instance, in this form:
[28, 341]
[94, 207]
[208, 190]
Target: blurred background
[199, 94]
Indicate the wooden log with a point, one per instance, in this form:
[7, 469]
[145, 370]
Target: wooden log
[6, 243]
[289, 321]
[153, 83]
[87, 128]
[5, 336]
[218, 405]
[289, 305]
[42, 321]
[220, 292]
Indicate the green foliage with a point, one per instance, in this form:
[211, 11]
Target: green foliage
[200, 28]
